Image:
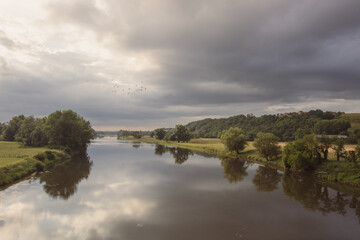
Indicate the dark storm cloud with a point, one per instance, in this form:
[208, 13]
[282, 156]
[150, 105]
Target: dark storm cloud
[287, 49]
[211, 57]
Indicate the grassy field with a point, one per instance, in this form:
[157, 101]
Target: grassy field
[17, 161]
[13, 152]
[354, 119]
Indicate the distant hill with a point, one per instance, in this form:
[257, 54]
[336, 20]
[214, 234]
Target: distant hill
[287, 126]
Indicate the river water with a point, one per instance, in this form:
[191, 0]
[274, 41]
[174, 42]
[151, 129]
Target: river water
[125, 190]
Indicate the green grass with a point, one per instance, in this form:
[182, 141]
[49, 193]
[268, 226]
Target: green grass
[342, 172]
[354, 119]
[17, 161]
[14, 152]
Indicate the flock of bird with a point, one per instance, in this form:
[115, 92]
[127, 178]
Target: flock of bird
[127, 88]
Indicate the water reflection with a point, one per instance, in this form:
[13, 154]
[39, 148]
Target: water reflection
[234, 169]
[317, 197]
[160, 149]
[62, 181]
[132, 194]
[180, 155]
[136, 144]
[266, 179]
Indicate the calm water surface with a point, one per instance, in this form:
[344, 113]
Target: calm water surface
[125, 190]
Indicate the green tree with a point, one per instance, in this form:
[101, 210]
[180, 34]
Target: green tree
[137, 135]
[159, 133]
[12, 127]
[324, 145]
[180, 134]
[339, 148]
[267, 145]
[302, 154]
[234, 139]
[31, 132]
[67, 129]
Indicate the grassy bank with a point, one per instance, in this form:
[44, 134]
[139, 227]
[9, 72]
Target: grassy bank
[329, 171]
[17, 161]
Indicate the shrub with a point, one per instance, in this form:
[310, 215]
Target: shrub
[50, 155]
[39, 167]
[41, 157]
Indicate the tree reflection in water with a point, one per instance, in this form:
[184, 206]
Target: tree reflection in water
[180, 155]
[160, 149]
[136, 144]
[266, 179]
[62, 181]
[316, 197]
[234, 169]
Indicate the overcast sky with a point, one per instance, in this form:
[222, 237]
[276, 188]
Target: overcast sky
[155, 63]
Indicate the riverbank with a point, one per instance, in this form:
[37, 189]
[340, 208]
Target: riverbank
[18, 162]
[330, 171]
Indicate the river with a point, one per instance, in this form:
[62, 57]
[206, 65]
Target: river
[125, 190]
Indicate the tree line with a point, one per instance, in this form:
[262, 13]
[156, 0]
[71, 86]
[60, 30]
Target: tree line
[287, 127]
[61, 129]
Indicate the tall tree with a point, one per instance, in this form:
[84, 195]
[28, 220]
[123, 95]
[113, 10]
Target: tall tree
[67, 129]
[12, 127]
[181, 134]
[159, 133]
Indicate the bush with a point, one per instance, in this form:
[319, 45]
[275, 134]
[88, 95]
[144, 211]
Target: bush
[234, 139]
[50, 155]
[41, 157]
[39, 167]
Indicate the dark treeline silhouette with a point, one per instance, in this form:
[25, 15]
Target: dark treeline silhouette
[61, 129]
[287, 127]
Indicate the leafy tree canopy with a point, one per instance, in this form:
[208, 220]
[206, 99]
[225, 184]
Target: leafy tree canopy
[234, 139]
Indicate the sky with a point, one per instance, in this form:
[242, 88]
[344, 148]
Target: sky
[143, 64]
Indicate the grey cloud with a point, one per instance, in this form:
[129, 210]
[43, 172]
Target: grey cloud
[212, 55]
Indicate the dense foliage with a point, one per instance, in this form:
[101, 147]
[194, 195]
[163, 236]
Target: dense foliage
[126, 133]
[267, 145]
[61, 129]
[181, 134]
[137, 135]
[159, 133]
[287, 127]
[302, 154]
[234, 139]
[68, 129]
